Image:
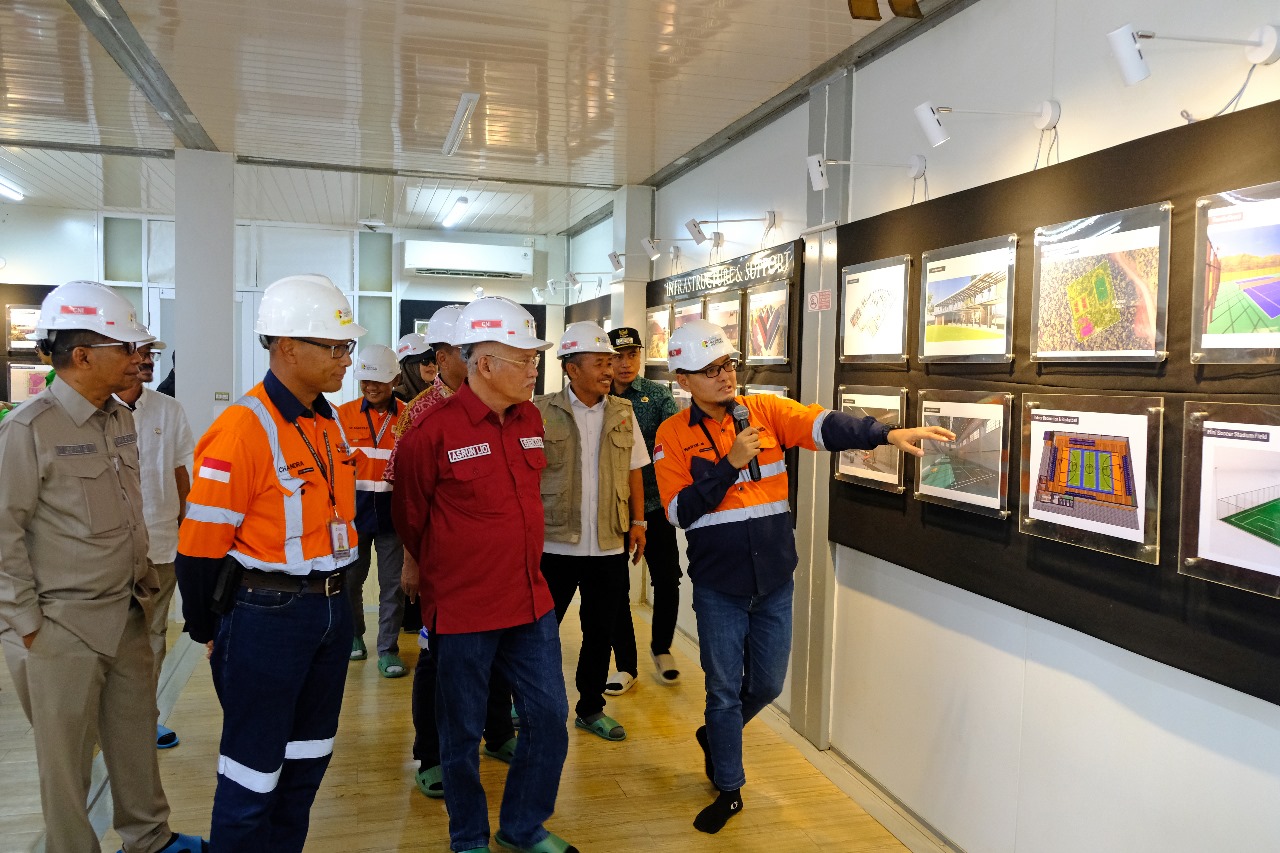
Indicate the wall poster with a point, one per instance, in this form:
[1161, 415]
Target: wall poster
[767, 323]
[26, 381]
[1101, 287]
[873, 306]
[20, 321]
[775, 390]
[967, 293]
[880, 468]
[1091, 472]
[1230, 530]
[657, 333]
[725, 310]
[972, 472]
[685, 312]
[1236, 316]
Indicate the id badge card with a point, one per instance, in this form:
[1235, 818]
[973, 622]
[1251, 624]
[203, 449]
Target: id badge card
[339, 539]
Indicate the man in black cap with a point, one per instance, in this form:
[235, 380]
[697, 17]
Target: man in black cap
[653, 404]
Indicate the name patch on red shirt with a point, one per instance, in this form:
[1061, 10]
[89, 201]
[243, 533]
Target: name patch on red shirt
[531, 442]
[471, 452]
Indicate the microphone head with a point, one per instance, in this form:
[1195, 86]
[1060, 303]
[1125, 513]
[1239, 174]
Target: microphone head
[741, 413]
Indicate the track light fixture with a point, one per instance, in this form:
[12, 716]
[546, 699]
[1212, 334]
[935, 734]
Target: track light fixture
[694, 227]
[615, 260]
[1046, 118]
[1262, 48]
[818, 168]
[651, 249]
[461, 116]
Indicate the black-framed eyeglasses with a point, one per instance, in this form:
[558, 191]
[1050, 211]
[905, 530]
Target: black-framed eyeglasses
[716, 369]
[336, 351]
[128, 346]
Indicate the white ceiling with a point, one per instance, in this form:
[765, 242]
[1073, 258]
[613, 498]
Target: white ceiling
[578, 95]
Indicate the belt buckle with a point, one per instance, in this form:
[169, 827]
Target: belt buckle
[332, 585]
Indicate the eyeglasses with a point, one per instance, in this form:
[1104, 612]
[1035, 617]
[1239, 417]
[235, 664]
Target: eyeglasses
[336, 351]
[532, 361]
[716, 369]
[128, 347]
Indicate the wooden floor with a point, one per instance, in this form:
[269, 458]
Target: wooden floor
[636, 796]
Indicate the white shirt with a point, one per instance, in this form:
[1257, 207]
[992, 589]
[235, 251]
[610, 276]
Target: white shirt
[590, 421]
[164, 443]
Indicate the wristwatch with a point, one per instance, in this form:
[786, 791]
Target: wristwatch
[640, 522]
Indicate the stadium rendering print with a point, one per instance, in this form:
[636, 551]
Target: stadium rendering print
[1089, 477]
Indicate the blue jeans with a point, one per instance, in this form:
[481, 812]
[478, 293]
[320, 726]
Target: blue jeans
[279, 667]
[745, 645]
[529, 656]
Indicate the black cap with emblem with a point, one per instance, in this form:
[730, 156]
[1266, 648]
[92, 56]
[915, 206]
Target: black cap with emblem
[623, 337]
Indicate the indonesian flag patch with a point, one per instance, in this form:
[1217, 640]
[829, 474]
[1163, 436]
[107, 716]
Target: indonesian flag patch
[657, 452]
[215, 469]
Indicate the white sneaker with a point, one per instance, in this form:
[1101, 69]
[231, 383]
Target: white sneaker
[665, 664]
[619, 683]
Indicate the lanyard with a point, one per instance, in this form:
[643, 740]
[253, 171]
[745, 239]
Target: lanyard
[324, 472]
[377, 437]
[703, 423]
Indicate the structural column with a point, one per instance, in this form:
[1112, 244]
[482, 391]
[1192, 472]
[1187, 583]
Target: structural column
[632, 222]
[204, 288]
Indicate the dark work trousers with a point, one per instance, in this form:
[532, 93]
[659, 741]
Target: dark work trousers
[602, 581]
[662, 554]
[498, 728]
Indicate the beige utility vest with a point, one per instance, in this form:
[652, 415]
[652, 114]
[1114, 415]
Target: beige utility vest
[562, 478]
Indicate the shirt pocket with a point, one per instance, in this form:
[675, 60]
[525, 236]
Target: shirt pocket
[475, 478]
[93, 484]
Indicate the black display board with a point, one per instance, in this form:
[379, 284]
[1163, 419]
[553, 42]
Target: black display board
[412, 310]
[18, 294]
[594, 310]
[1213, 631]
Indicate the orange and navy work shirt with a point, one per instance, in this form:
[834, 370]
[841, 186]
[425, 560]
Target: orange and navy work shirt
[372, 437]
[261, 496]
[739, 531]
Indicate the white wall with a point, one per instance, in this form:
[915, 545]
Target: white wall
[1013, 54]
[49, 247]
[765, 171]
[589, 252]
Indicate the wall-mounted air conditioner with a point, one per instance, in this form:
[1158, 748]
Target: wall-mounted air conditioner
[471, 260]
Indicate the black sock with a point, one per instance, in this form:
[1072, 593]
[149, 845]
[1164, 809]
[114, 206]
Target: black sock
[701, 735]
[713, 818]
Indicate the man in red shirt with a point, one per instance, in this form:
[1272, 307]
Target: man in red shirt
[468, 505]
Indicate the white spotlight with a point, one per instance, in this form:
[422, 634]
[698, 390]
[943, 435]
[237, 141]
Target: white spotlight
[817, 172]
[651, 248]
[1128, 53]
[615, 261]
[927, 115]
[695, 231]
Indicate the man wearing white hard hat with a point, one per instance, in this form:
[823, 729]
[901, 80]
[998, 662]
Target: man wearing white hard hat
[369, 423]
[468, 506]
[417, 366]
[165, 447]
[262, 558]
[76, 588]
[723, 478]
[593, 499]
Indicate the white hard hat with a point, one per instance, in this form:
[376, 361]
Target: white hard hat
[94, 307]
[442, 326]
[299, 306]
[495, 318]
[411, 344]
[377, 363]
[583, 336]
[696, 344]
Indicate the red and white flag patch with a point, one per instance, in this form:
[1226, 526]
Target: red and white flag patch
[215, 469]
[657, 452]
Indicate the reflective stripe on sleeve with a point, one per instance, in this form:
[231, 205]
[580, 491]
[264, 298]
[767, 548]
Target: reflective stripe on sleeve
[725, 516]
[817, 429]
[372, 486]
[296, 749]
[214, 514]
[773, 469]
[671, 512]
[247, 777]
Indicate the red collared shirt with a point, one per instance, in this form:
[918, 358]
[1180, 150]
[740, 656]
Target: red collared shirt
[468, 506]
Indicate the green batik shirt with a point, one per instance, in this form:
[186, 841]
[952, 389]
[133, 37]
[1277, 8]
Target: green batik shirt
[653, 404]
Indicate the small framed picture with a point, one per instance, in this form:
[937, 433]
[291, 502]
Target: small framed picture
[685, 312]
[873, 308]
[657, 334]
[972, 472]
[968, 300]
[20, 321]
[767, 327]
[775, 390]
[725, 310]
[881, 467]
[26, 381]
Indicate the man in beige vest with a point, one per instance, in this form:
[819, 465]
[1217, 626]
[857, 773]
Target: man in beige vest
[75, 584]
[593, 500]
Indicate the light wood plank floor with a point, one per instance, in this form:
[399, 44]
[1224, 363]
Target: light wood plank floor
[637, 796]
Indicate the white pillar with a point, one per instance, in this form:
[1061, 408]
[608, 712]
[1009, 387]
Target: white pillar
[632, 222]
[204, 289]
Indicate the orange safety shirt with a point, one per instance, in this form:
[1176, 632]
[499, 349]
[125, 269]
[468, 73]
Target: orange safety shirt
[373, 437]
[739, 531]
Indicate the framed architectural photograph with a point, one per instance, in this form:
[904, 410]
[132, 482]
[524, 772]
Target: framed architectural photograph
[1236, 310]
[767, 326]
[967, 298]
[725, 310]
[775, 390]
[20, 321]
[873, 310]
[972, 472]
[1230, 532]
[882, 467]
[657, 333]
[26, 381]
[1091, 472]
[684, 312]
[1101, 287]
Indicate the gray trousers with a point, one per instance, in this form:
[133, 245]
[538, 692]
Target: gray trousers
[75, 697]
[390, 596]
[159, 627]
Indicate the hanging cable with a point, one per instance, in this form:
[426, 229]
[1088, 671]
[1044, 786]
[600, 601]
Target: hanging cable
[915, 183]
[1048, 152]
[1231, 104]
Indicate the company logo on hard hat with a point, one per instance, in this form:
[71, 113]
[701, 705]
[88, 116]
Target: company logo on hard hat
[79, 310]
[343, 317]
[486, 324]
[569, 345]
[675, 351]
[712, 341]
[599, 340]
[403, 347]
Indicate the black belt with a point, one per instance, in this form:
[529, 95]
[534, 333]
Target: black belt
[330, 584]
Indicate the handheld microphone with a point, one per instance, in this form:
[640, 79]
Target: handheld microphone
[742, 420]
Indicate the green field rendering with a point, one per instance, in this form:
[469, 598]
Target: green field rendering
[1262, 521]
[937, 334]
[1245, 300]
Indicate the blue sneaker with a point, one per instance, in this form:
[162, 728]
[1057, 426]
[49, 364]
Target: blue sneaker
[166, 738]
[184, 844]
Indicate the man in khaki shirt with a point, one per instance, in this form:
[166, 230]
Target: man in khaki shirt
[74, 578]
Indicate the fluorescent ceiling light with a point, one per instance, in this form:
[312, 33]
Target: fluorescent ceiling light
[455, 213]
[466, 106]
[11, 191]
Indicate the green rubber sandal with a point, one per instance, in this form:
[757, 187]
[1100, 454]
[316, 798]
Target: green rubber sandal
[551, 844]
[390, 666]
[358, 649]
[506, 752]
[604, 727]
[431, 782]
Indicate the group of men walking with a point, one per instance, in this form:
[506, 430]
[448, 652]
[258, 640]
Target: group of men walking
[491, 508]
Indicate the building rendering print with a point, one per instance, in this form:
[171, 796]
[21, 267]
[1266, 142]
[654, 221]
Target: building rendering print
[971, 463]
[967, 308]
[1087, 476]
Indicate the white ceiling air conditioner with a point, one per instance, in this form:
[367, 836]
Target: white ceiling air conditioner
[470, 260]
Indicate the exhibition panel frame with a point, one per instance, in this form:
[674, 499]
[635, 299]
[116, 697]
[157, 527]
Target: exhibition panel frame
[873, 311]
[967, 301]
[880, 467]
[972, 472]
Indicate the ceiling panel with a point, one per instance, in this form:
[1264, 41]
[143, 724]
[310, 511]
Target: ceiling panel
[79, 181]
